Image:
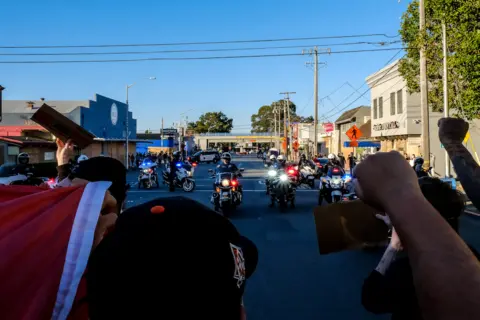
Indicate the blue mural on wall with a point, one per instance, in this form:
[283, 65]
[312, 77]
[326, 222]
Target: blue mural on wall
[105, 118]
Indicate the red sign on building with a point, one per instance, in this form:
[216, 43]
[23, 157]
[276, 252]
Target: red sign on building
[328, 127]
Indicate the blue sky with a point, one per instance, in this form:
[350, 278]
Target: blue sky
[238, 87]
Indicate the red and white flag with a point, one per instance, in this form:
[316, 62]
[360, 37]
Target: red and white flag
[46, 236]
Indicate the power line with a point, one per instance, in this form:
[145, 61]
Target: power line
[362, 94]
[191, 50]
[200, 43]
[191, 58]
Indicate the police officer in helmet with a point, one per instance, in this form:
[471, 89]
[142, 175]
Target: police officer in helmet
[228, 166]
[23, 166]
[176, 157]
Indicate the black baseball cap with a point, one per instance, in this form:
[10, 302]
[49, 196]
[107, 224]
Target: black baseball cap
[170, 258]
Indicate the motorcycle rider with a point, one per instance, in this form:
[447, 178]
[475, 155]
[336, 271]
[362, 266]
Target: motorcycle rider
[417, 166]
[332, 162]
[23, 166]
[303, 161]
[228, 166]
[173, 170]
[281, 162]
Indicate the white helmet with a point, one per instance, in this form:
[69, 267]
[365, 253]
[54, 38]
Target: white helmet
[281, 158]
[331, 156]
[82, 158]
[272, 157]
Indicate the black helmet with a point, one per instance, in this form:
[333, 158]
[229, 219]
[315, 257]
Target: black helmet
[226, 156]
[176, 155]
[303, 156]
[23, 158]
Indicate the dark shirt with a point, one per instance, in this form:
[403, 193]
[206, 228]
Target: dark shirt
[341, 160]
[231, 167]
[394, 292]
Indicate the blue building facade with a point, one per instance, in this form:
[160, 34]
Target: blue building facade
[105, 118]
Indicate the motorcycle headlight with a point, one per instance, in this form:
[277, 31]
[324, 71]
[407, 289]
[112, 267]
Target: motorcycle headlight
[283, 177]
[146, 170]
[225, 182]
[272, 173]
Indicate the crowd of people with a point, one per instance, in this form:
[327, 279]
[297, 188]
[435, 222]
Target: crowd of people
[76, 252]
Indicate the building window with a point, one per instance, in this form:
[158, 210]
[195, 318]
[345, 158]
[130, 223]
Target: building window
[374, 108]
[380, 107]
[399, 102]
[392, 103]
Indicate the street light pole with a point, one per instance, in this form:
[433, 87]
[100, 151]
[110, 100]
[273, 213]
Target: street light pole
[126, 121]
[1, 89]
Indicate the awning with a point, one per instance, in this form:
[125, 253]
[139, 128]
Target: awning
[364, 144]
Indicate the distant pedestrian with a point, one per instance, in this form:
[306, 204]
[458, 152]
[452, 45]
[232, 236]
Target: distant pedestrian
[351, 161]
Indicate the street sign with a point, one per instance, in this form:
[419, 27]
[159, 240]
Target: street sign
[168, 132]
[354, 133]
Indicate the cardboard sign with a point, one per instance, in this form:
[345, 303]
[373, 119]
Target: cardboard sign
[62, 127]
[354, 133]
[347, 225]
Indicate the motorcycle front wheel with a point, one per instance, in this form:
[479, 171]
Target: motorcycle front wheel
[188, 185]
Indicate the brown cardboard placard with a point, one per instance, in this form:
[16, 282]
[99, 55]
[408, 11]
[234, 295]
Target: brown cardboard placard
[347, 225]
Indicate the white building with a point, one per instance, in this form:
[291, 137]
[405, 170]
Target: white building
[395, 113]
[396, 119]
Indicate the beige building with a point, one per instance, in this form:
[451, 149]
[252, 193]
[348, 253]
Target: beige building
[395, 113]
[396, 119]
[356, 116]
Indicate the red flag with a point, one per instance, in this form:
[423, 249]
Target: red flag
[45, 239]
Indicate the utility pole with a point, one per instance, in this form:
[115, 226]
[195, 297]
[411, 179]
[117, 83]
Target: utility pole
[275, 123]
[285, 110]
[314, 52]
[161, 132]
[445, 91]
[1, 99]
[424, 93]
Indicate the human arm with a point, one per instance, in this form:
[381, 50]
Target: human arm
[64, 153]
[446, 275]
[452, 132]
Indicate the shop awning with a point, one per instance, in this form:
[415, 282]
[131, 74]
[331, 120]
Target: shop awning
[364, 144]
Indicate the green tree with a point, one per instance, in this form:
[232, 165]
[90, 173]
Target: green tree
[148, 131]
[463, 42]
[212, 122]
[263, 120]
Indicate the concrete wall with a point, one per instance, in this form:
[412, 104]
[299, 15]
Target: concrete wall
[98, 119]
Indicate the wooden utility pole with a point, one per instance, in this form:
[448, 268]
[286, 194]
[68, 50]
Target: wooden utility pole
[314, 52]
[286, 113]
[445, 92]
[424, 93]
[1, 100]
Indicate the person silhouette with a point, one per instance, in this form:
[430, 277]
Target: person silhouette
[354, 133]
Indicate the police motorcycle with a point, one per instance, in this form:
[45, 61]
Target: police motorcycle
[184, 175]
[227, 193]
[333, 185]
[282, 184]
[308, 172]
[148, 174]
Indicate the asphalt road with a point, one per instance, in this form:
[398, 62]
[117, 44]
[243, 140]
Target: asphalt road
[292, 280]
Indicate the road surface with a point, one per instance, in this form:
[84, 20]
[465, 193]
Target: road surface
[292, 280]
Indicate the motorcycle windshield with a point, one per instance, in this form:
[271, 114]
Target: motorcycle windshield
[224, 176]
